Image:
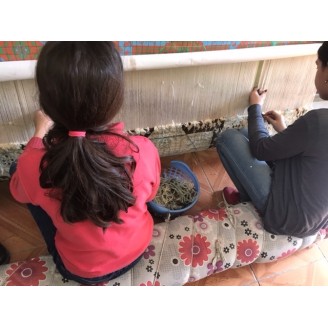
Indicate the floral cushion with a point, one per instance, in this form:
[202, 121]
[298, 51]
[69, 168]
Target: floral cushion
[182, 250]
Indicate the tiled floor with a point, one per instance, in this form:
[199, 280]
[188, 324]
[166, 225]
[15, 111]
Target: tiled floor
[308, 267]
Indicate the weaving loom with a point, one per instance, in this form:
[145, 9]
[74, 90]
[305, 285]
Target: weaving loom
[178, 100]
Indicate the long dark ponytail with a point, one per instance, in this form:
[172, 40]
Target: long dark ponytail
[81, 88]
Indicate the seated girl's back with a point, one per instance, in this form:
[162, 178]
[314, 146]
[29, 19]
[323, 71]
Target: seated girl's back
[91, 178]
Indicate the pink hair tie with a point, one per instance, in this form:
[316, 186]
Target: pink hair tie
[77, 133]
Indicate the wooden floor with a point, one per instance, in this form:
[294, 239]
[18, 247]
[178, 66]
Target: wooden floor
[309, 267]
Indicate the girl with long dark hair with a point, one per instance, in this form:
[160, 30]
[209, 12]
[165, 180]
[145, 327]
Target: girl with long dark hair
[85, 181]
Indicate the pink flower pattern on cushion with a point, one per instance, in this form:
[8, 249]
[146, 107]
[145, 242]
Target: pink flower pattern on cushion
[195, 250]
[285, 254]
[214, 269]
[247, 250]
[198, 217]
[27, 273]
[214, 214]
[149, 283]
[150, 251]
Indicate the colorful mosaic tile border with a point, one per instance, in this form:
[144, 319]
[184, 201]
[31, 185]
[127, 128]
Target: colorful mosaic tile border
[158, 47]
[20, 50]
[29, 50]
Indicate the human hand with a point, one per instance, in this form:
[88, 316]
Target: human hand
[42, 124]
[257, 96]
[275, 119]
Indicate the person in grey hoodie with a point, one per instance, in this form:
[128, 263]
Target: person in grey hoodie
[285, 175]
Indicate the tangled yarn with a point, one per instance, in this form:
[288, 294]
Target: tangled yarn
[174, 193]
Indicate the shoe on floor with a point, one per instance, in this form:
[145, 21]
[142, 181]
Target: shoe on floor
[4, 255]
[231, 196]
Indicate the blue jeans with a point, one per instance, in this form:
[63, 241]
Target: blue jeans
[251, 177]
[48, 231]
